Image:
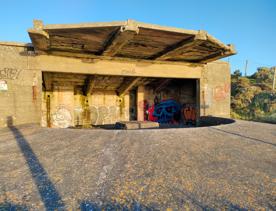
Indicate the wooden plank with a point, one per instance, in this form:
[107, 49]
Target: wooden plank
[176, 49]
[89, 84]
[121, 38]
[125, 87]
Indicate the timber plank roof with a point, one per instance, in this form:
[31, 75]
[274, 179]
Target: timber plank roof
[128, 39]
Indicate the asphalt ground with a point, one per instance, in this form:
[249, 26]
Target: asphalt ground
[227, 167]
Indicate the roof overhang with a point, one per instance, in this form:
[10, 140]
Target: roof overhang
[128, 39]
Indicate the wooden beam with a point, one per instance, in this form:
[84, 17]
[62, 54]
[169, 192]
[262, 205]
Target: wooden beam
[89, 84]
[219, 55]
[162, 84]
[176, 49]
[125, 87]
[121, 38]
[47, 79]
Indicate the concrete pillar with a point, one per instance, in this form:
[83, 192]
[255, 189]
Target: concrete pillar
[62, 106]
[140, 103]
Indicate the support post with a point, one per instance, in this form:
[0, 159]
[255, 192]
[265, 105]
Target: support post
[197, 102]
[140, 103]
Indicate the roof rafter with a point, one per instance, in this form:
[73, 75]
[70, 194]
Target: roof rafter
[121, 38]
[200, 37]
[125, 87]
[219, 55]
[89, 84]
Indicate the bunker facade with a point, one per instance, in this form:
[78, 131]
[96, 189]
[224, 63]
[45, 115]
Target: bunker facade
[102, 73]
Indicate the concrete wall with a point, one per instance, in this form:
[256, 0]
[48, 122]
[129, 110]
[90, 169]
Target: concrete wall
[24, 101]
[21, 103]
[69, 107]
[215, 94]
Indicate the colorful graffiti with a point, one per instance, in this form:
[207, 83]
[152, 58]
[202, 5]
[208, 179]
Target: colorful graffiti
[189, 114]
[171, 112]
[166, 111]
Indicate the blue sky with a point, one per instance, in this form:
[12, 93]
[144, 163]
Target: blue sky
[249, 24]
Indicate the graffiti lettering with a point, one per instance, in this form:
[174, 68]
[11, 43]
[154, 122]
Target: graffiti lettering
[100, 115]
[9, 73]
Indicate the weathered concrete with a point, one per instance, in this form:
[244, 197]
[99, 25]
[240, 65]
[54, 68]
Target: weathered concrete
[215, 86]
[22, 100]
[224, 167]
[26, 102]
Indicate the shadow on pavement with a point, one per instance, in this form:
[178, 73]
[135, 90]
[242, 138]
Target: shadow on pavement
[48, 193]
[242, 136]
[12, 207]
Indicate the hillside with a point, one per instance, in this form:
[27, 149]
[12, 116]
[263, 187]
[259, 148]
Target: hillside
[252, 97]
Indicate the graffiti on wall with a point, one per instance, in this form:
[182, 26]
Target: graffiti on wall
[9, 73]
[166, 111]
[212, 95]
[62, 117]
[221, 92]
[99, 115]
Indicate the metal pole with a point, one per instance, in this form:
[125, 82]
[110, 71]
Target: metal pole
[274, 78]
[245, 69]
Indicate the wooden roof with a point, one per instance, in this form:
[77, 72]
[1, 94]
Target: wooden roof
[128, 39]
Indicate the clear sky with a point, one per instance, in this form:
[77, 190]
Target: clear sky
[249, 24]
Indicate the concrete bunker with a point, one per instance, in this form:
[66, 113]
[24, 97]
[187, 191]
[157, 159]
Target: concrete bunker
[101, 73]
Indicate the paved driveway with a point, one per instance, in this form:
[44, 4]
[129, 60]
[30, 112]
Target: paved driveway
[230, 166]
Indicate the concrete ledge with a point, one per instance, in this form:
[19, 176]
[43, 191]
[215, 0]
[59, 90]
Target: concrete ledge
[132, 125]
[16, 44]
